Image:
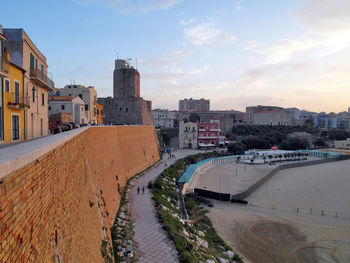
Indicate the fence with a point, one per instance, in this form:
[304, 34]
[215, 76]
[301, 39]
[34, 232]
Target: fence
[326, 212]
[212, 195]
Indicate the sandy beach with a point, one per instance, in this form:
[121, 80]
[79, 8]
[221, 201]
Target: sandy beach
[289, 233]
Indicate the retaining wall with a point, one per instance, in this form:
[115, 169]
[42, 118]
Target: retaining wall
[58, 201]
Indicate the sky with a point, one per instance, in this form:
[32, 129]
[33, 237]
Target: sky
[237, 53]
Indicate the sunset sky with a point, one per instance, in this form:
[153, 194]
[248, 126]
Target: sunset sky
[236, 53]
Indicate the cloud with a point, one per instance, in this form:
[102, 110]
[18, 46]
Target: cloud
[207, 33]
[132, 6]
[165, 60]
[187, 22]
[176, 75]
[238, 6]
[282, 51]
[250, 79]
[325, 16]
[252, 44]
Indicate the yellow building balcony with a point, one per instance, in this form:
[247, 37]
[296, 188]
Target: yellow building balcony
[17, 101]
[41, 79]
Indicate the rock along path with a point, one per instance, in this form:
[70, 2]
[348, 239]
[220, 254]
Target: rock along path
[151, 242]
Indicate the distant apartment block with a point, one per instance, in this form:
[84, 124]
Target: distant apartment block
[36, 84]
[209, 133]
[327, 121]
[88, 95]
[343, 120]
[188, 135]
[268, 115]
[163, 118]
[227, 119]
[193, 105]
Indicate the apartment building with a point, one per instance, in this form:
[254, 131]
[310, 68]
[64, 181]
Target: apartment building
[188, 133]
[209, 132]
[66, 104]
[193, 105]
[14, 101]
[268, 115]
[37, 84]
[162, 118]
[99, 113]
[3, 74]
[88, 95]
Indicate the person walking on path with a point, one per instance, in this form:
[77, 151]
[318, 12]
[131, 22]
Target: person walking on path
[143, 189]
[138, 190]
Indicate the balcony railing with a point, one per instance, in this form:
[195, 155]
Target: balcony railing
[17, 101]
[41, 79]
[207, 137]
[4, 68]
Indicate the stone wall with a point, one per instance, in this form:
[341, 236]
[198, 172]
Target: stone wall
[60, 206]
[126, 111]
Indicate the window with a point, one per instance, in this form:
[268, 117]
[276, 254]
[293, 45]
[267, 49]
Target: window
[33, 94]
[42, 72]
[49, 107]
[81, 96]
[62, 107]
[16, 92]
[31, 61]
[126, 110]
[86, 106]
[7, 85]
[42, 99]
[15, 127]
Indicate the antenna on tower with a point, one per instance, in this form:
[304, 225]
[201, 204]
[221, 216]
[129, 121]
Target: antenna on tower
[136, 63]
[117, 55]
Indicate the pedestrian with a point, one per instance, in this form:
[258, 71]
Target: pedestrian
[143, 189]
[138, 190]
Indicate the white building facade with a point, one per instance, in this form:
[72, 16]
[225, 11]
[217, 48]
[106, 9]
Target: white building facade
[67, 104]
[188, 135]
[163, 118]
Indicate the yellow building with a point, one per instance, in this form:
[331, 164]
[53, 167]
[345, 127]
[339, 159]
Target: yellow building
[15, 102]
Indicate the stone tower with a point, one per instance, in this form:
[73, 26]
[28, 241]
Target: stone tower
[126, 106]
[126, 80]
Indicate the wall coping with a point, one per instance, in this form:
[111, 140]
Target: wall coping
[19, 155]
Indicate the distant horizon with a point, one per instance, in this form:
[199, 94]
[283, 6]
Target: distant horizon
[236, 53]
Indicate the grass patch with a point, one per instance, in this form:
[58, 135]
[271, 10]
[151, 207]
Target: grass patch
[195, 240]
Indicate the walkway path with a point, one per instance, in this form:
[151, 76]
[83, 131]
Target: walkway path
[151, 242]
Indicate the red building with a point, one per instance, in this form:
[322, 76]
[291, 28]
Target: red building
[209, 132]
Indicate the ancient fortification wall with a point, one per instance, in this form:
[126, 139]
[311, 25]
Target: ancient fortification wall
[59, 206]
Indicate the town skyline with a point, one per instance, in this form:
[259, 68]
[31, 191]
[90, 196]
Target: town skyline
[230, 54]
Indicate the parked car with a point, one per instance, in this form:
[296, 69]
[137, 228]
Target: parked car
[57, 129]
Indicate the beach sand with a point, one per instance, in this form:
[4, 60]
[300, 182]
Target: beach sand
[262, 234]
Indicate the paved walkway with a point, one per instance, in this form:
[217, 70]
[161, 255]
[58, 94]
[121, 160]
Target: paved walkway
[151, 242]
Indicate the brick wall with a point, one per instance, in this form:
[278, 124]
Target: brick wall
[56, 208]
